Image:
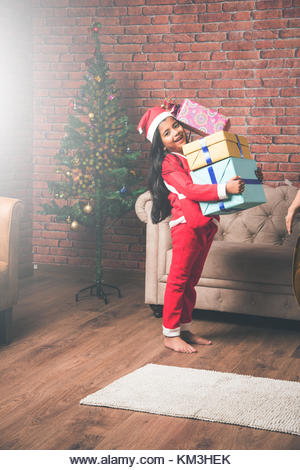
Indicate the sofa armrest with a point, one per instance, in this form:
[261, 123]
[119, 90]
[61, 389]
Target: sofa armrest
[141, 206]
[158, 242]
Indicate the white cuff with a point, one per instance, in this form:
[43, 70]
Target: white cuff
[171, 333]
[222, 194]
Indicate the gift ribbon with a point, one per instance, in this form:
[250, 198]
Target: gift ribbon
[206, 151]
[239, 146]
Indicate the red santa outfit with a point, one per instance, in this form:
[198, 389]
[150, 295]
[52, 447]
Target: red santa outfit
[192, 232]
[192, 235]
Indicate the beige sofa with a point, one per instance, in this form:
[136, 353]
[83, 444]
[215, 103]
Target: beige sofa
[249, 267]
[10, 216]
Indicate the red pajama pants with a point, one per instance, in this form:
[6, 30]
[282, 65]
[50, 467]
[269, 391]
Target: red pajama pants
[190, 249]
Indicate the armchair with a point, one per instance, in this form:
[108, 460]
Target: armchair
[10, 215]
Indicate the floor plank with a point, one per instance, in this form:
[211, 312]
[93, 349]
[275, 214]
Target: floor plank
[62, 351]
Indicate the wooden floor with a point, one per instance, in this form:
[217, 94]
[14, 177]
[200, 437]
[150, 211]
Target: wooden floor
[62, 351]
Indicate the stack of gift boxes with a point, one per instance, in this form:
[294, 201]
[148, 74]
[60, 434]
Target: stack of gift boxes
[218, 157]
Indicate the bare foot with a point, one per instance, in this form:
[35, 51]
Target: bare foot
[177, 344]
[191, 338]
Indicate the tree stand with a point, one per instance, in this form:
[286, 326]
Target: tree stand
[99, 291]
[97, 288]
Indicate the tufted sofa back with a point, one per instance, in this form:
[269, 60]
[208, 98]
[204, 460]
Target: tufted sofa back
[264, 223]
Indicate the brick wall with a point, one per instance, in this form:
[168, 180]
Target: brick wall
[240, 57]
[16, 116]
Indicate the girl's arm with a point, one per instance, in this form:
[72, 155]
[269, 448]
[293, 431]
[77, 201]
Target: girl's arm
[175, 175]
[294, 207]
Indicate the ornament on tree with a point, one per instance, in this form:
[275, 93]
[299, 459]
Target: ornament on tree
[91, 116]
[96, 27]
[68, 220]
[111, 97]
[98, 78]
[68, 173]
[123, 190]
[74, 225]
[88, 208]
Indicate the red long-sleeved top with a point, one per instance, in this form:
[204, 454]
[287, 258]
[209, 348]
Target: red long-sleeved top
[184, 194]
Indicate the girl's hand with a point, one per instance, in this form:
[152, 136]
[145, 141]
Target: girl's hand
[292, 210]
[235, 185]
[290, 217]
[259, 174]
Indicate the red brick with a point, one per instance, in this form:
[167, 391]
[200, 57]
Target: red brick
[291, 12]
[212, 46]
[185, 19]
[197, 8]
[238, 5]
[188, 28]
[196, 84]
[271, 130]
[261, 92]
[159, 10]
[215, 65]
[267, 111]
[261, 121]
[163, 47]
[241, 16]
[236, 26]
[163, 57]
[160, 20]
[228, 83]
[154, 29]
[290, 92]
[289, 167]
[287, 43]
[272, 158]
[273, 176]
[238, 45]
[289, 33]
[266, 167]
[251, 64]
[272, 4]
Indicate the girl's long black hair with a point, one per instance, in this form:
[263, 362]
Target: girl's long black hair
[161, 207]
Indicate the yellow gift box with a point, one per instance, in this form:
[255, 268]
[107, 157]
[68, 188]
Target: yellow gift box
[215, 147]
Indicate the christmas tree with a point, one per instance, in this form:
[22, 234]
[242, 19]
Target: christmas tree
[96, 167]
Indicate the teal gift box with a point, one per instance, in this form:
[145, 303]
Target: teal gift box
[221, 172]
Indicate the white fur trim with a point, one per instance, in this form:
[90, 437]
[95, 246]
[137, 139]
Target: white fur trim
[156, 122]
[171, 333]
[173, 190]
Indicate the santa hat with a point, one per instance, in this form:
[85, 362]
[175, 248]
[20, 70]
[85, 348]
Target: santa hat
[151, 120]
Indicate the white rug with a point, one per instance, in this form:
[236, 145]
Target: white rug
[256, 402]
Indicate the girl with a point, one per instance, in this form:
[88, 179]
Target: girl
[173, 191]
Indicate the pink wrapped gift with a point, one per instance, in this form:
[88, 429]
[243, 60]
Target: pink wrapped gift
[199, 119]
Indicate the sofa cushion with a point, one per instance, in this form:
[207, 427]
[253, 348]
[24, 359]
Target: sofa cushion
[245, 262]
